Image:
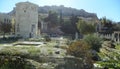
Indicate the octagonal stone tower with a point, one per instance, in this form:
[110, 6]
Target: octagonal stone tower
[26, 20]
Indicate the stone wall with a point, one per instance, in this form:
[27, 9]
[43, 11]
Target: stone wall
[26, 19]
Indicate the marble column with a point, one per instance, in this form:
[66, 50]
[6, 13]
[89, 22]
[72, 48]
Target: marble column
[118, 37]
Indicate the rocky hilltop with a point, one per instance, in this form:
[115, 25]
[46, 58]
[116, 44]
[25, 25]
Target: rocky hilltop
[66, 11]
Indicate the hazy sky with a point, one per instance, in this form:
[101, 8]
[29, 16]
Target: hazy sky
[108, 8]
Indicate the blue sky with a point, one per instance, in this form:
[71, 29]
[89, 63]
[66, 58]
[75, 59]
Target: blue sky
[108, 8]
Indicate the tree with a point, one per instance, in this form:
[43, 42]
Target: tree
[103, 20]
[67, 27]
[85, 28]
[52, 18]
[61, 20]
[74, 19]
[5, 28]
[116, 26]
[107, 25]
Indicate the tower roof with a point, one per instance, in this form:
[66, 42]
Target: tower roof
[26, 3]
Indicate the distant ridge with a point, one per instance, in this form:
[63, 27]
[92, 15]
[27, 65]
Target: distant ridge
[66, 11]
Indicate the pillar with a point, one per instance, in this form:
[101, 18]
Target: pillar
[118, 37]
[113, 36]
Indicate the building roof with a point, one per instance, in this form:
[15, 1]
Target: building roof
[26, 3]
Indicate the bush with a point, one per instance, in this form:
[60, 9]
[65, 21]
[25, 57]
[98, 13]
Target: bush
[15, 58]
[78, 49]
[13, 51]
[81, 50]
[14, 62]
[112, 64]
[47, 38]
[94, 41]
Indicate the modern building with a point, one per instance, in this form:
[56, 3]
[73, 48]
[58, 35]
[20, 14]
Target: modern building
[26, 17]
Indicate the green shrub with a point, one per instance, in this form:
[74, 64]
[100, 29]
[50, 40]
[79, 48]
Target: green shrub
[47, 38]
[94, 41]
[33, 51]
[12, 62]
[112, 64]
[13, 51]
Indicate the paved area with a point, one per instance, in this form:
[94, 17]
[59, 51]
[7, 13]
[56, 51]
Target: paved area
[29, 42]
